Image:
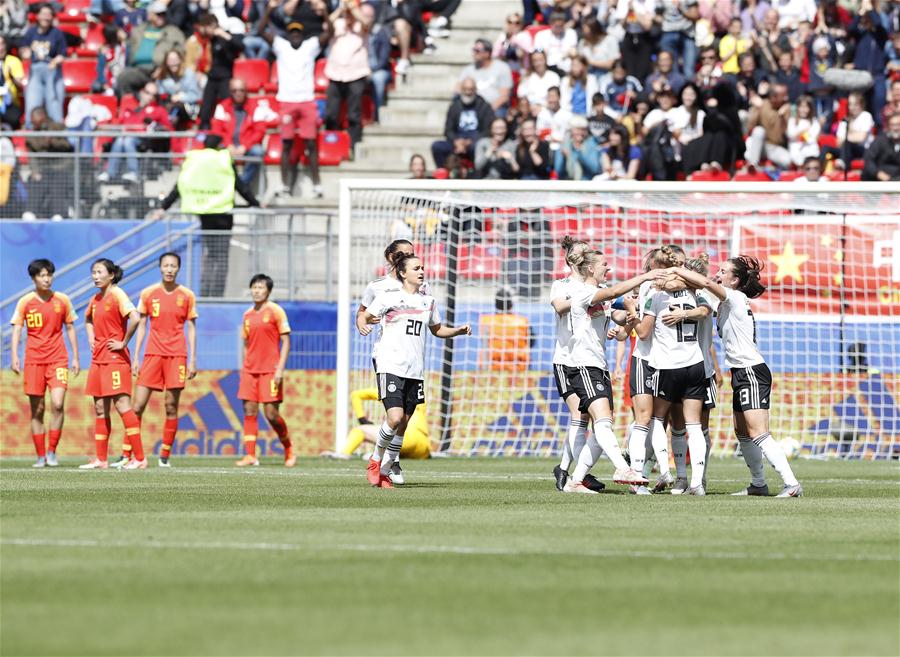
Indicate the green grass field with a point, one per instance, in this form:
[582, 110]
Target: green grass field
[478, 557]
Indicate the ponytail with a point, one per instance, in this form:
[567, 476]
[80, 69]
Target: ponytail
[746, 269]
[393, 247]
[573, 248]
[700, 264]
[114, 270]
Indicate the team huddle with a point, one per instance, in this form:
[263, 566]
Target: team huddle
[163, 312]
[673, 369]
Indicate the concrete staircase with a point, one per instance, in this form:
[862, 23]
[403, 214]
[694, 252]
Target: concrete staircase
[414, 115]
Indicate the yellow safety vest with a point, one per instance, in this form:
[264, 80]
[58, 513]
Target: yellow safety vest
[206, 182]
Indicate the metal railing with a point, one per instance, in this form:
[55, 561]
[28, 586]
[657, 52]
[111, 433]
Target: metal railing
[97, 178]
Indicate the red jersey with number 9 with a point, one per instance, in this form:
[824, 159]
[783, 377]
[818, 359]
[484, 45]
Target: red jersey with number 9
[168, 311]
[262, 332]
[109, 314]
[43, 322]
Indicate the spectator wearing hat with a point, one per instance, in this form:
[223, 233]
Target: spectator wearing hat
[578, 158]
[469, 118]
[557, 43]
[148, 44]
[493, 77]
[296, 59]
[347, 67]
[45, 47]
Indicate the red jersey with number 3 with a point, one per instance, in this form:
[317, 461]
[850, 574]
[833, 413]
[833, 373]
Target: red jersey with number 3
[262, 332]
[43, 322]
[168, 311]
[109, 314]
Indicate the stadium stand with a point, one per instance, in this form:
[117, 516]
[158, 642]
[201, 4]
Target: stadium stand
[767, 86]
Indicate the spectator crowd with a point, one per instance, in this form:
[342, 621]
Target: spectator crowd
[675, 89]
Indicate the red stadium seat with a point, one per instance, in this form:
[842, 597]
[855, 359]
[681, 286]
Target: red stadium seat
[321, 80]
[440, 174]
[710, 175]
[752, 176]
[788, 176]
[128, 102]
[480, 262]
[857, 165]
[74, 30]
[368, 110]
[74, 11]
[254, 73]
[854, 176]
[93, 41]
[272, 85]
[827, 140]
[534, 29]
[334, 147]
[79, 75]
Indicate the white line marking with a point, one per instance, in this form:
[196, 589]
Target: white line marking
[440, 549]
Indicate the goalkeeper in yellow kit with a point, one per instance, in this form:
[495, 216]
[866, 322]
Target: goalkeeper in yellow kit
[415, 441]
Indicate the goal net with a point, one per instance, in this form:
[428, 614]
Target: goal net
[828, 325]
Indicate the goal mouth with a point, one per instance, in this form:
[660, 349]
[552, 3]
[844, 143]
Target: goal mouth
[828, 321]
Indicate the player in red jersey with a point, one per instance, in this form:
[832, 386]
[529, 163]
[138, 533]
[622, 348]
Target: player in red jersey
[43, 313]
[166, 365]
[267, 341]
[109, 379]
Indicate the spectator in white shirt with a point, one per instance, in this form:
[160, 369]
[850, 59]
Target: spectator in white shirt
[803, 131]
[558, 43]
[554, 118]
[854, 133]
[535, 85]
[792, 12]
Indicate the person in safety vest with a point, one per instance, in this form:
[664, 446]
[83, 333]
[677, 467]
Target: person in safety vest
[206, 186]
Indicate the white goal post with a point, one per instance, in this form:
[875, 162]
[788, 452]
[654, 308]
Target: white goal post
[829, 323]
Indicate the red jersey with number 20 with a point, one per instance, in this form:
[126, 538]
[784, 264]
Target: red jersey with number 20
[168, 311]
[262, 331]
[109, 314]
[43, 321]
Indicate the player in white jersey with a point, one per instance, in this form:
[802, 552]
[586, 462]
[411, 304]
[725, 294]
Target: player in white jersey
[736, 283]
[588, 376]
[679, 377]
[578, 421]
[703, 314]
[383, 284]
[400, 369]
[640, 379]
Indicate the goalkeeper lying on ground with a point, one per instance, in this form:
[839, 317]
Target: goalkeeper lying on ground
[415, 441]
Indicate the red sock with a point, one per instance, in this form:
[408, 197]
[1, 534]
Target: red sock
[38, 439]
[251, 429]
[133, 434]
[281, 429]
[101, 437]
[55, 435]
[170, 428]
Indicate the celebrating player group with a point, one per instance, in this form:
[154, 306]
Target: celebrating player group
[673, 370]
[170, 360]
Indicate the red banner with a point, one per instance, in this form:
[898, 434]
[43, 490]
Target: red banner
[813, 264]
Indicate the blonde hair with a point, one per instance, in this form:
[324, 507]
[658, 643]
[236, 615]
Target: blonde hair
[667, 255]
[573, 248]
[583, 259]
[700, 264]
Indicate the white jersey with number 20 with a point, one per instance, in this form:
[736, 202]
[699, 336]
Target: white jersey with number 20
[405, 318]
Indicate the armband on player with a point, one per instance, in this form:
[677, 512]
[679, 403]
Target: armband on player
[364, 420]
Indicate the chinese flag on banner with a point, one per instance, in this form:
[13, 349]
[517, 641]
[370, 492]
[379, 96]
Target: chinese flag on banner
[815, 263]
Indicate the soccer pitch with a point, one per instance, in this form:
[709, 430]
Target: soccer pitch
[479, 557]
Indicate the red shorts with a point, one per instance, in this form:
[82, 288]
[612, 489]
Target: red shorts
[108, 380]
[41, 376]
[260, 388]
[299, 120]
[163, 372]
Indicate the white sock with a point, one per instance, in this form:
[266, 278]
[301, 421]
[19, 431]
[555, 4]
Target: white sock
[391, 454]
[609, 444]
[637, 446]
[660, 444]
[754, 459]
[385, 434]
[649, 458]
[679, 449]
[586, 458]
[574, 443]
[775, 456]
[697, 447]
